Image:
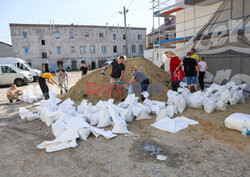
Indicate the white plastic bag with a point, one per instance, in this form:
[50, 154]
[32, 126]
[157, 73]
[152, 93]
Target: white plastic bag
[235, 121]
[209, 106]
[84, 133]
[221, 105]
[26, 114]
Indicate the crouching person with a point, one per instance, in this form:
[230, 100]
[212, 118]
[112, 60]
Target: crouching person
[43, 85]
[141, 78]
[13, 93]
[63, 80]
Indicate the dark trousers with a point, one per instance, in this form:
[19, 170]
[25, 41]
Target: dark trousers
[144, 87]
[201, 79]
[44, 87]
[175, 85]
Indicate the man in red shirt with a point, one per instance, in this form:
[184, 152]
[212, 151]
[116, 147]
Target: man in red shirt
[175, 67]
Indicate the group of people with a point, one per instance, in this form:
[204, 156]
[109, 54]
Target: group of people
[117, 74]
[194, 70]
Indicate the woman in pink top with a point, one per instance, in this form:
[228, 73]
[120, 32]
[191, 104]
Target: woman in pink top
[202, 65]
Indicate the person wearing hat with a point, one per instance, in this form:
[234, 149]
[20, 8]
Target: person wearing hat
[43, 85]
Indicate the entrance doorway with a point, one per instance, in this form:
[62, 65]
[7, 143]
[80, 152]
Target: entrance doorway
[73, 65]
[93, 65]
[45, 67]
[59, 65]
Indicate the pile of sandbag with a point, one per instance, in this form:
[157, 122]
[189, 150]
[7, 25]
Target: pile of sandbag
[216, 97]
[69, 122]
[31, 94]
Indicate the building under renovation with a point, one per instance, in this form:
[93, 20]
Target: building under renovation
[217, 29]
[51, 47]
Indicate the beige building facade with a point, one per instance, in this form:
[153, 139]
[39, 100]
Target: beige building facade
[51, 47]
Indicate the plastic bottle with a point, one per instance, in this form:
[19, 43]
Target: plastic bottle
[244, 130]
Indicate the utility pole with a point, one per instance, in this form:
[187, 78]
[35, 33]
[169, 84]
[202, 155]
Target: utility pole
[125, 26]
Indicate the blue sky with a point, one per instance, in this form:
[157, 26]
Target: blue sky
[81, 12]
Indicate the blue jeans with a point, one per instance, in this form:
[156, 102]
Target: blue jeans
[192, 80]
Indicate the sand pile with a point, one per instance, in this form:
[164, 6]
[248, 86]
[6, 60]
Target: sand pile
[94, 86]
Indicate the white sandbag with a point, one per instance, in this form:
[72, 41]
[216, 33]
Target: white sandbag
[104, 119]
[171, 110]
[195, 101]
[64, 141]
[94, 118]
[161, 114]
[221, 106]
[143, 115]
[174, 125]
[58, 128]
[235, 121]
[38, 93]
[145, 94]
[235, 99]
[97, 131]
[225, 95]
[171, 97]
[184, 92]
[120, 126]
[159, 104]
[209, 106]
[67, 107]
[126, 114]
[130, 89]
[84, 133]
[180, 103]
[27, 114]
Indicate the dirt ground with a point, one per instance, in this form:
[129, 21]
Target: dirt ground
[207, 149]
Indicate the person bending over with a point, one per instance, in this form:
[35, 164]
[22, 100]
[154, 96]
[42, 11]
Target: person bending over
[43, 85]
[141, 78]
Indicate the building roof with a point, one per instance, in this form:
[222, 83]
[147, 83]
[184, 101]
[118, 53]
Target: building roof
[67, 26]
[5, 43]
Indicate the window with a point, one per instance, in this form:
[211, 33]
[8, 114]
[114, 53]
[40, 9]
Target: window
[124, 36]
[7, 69]
[73, 49]
[24, 34]
[92, 49]
[140, 48]
[115, 49]
[58, 49]
[101, 35]
[166, 36]
[86, 34]
[44, 55]
[114, 36]
[43, 42]
[26, 50]
[82, 49]
[133, 49]
[57, 34]
[71, 34]
[139, 37]
[124, 49]
[104, 50]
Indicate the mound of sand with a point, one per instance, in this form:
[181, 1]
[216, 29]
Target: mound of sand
[95, 87]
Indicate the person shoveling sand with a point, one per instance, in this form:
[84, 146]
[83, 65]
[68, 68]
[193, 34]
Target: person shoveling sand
[95, 87]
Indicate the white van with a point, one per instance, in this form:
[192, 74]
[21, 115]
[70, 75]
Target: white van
[19, 63]
[12, 75]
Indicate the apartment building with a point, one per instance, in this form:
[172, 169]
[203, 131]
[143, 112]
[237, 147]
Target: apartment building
[51, 47]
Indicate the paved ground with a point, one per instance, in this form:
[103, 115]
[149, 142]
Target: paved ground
[207, 149]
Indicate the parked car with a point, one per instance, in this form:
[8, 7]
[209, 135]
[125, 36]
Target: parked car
[21, 64]
[12, 75]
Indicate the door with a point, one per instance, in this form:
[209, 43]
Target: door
[59, 65]
[73, 65]
[8, 75]
[93, 65]
[45, 67]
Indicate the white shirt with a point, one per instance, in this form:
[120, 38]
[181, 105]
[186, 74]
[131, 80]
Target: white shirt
[202, 65]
